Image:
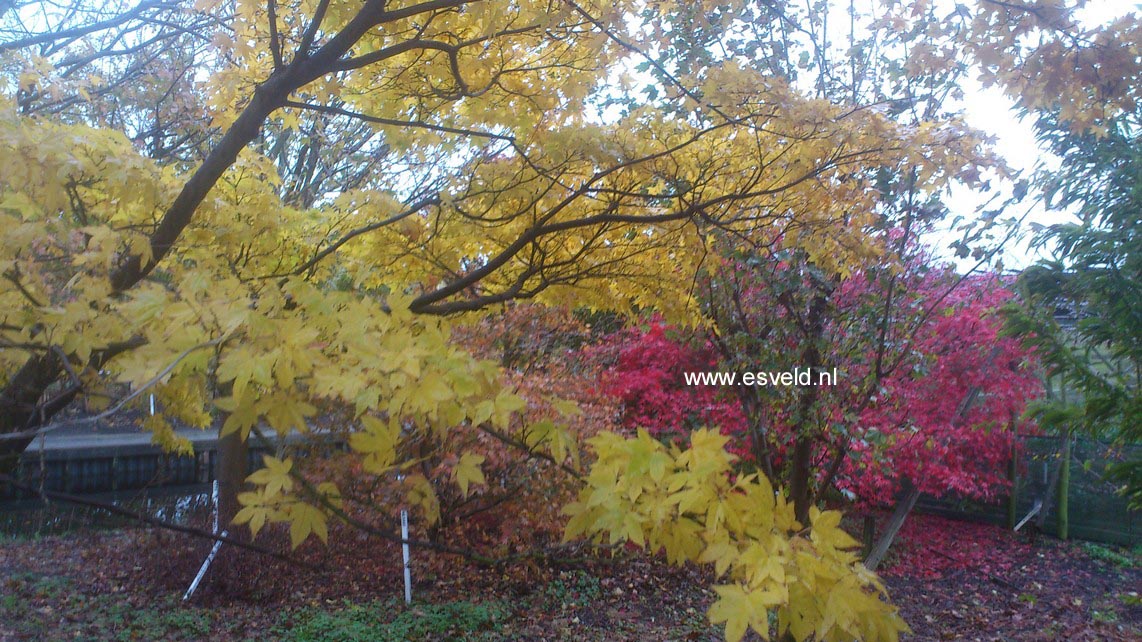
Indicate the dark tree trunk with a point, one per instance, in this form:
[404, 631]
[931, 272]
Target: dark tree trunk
[801, 469]
[231, 469]
[904, 506]
[868, 535]
[799, 490]
[20, 408]
[25, 402]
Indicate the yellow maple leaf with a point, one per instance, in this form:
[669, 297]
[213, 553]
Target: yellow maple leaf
[467, 471]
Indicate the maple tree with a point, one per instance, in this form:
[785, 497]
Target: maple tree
[928, 398]
[250, 262]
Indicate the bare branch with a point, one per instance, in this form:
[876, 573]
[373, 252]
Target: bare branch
[79, 32]
[329, 109]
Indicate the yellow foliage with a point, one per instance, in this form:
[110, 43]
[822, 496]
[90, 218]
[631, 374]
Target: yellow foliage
[688, 504]
[273, 502]
[164, 436]
[498, 182]
[467, 471]
[421, 495]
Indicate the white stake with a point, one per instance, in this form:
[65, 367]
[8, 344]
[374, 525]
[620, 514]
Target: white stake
[213, 550]
[405, 551]
[214, 502]
[1034, 511]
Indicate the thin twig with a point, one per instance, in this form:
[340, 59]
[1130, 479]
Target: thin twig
[154, 521]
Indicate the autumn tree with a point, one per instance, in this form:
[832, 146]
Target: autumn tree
[203, 285]
[926, 396]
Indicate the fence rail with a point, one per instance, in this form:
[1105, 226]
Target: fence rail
[110, 463]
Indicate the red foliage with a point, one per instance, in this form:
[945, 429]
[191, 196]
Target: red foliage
[947, 423]
[943, 418]
[647, 377]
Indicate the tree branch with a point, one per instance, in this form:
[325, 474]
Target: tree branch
[79, 32]
[154, 521]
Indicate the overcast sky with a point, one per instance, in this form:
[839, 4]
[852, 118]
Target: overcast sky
[993, 112]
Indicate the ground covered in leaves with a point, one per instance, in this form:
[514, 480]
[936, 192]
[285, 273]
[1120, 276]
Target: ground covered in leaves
[951, 580]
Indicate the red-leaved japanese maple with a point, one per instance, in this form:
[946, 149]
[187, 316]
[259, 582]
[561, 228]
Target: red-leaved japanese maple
[928, 396]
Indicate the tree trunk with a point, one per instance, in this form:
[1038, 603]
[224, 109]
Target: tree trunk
[904, 506]
[868, 535]
[231, 469]
[800, 490]
[20, 405]
[799, 482]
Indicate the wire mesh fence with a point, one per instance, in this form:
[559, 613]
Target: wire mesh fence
[1095, 509]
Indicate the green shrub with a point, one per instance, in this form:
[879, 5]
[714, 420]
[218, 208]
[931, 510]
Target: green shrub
[576, 589]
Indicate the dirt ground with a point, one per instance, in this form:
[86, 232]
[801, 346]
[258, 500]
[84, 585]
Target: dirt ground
[951, 581]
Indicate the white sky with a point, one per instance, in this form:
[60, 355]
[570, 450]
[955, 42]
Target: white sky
[993, 112]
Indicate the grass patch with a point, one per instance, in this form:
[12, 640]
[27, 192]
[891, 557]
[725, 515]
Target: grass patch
[1111, 556]
[1107, 616]
[375, 622]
